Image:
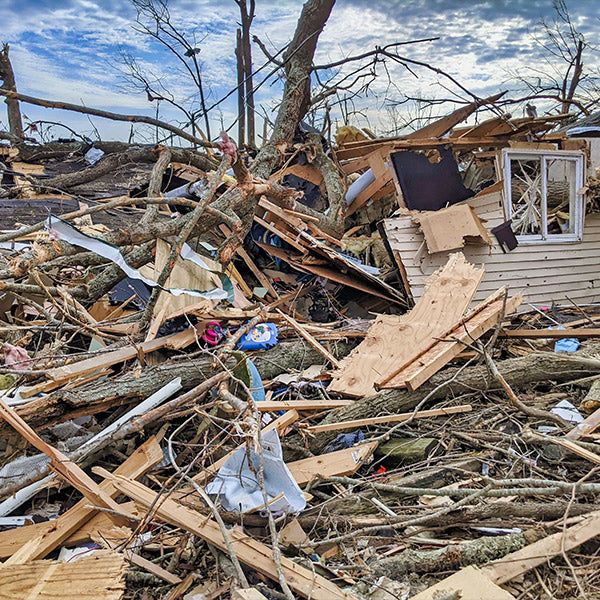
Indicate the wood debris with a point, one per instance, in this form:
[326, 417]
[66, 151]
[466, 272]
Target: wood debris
[394, 340]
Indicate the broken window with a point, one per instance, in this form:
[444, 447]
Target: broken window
[543, 195]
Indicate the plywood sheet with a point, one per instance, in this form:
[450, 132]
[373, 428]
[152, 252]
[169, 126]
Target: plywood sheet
[449, 228]
[393, 341]
[97, 577]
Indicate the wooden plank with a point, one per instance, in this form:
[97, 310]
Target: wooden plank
[309, 338]
[480, 321]
[517, 563]
[96, 577]
[394, 340]
[303, 581]
[53, 533]
[399, 418]
[103, 360]
[340, 462]
[280, 424]
[586, 427]
[284, 236]
[442, 126]
[567, 332]
[65, 467]
[469, 583]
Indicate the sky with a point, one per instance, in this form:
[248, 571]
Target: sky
[71, 50]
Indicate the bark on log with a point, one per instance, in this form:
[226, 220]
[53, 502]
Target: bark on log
[15, 122]
[519, 372]
[450, 558]
[129, 387]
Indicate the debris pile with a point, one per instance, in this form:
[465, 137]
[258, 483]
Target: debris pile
[377, 380]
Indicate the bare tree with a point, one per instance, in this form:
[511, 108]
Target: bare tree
[154, 19]
[15, 122]
[562, 77]
[245, 80]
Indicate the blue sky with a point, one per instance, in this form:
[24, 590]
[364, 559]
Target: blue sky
[70, 49]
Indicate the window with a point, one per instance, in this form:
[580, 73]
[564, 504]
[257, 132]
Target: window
[543, 195]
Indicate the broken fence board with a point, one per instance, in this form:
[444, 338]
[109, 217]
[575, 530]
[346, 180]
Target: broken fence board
[303, 581]
[394, 340]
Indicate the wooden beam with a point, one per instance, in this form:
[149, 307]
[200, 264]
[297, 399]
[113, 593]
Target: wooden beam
[592, 332]
[299, 405]
[340, 462]
[400, 418]
[65, 467]
[303, 581]
[517, 563]
[586, 427]
[53, 533]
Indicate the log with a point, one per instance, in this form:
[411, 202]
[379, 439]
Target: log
[453, 556]
[129, 387]
[15, 122]
[519, 372]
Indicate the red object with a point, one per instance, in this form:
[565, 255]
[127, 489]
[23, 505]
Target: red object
[381, 470]
[213, 333]
[228, 146]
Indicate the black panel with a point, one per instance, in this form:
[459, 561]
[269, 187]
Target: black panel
[429, 185]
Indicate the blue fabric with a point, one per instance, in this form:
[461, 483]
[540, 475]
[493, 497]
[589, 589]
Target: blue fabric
[567, 345]
[261, 337]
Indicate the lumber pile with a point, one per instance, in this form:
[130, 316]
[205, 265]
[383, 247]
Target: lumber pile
[269, 404]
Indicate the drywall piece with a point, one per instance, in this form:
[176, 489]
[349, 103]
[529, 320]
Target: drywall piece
[96, 577]
[394, 341]
[449, 228]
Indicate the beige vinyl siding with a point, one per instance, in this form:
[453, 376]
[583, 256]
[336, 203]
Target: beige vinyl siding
[545, 273]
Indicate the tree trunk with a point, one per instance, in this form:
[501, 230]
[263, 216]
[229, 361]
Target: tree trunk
[241, 89]
[296, 95]
[247, 16]
[15, 122]
[519, 372]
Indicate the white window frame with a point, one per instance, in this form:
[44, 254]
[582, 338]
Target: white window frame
[578, 159]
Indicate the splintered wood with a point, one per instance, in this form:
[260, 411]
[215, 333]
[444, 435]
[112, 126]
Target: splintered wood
[96, 577]
[449, 345]
[393, 341]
